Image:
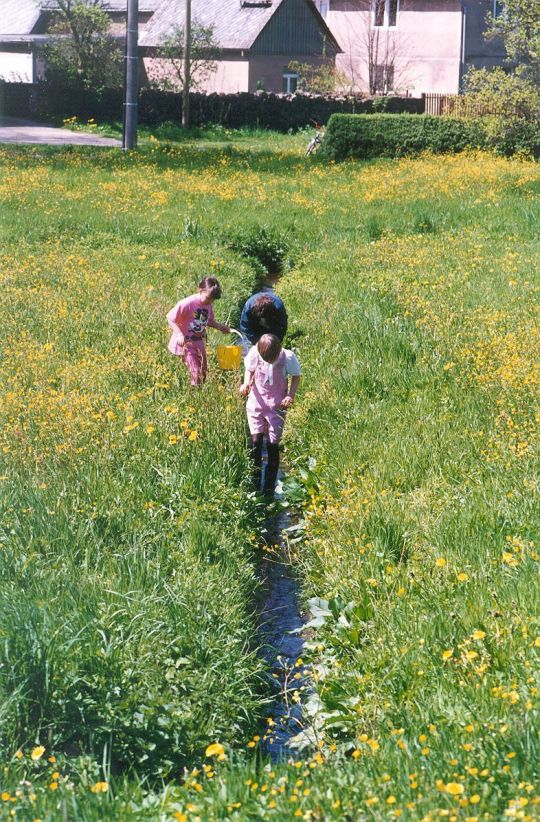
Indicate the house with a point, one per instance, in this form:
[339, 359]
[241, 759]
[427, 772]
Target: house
[411, 46]
[24, 30]
[257, 40]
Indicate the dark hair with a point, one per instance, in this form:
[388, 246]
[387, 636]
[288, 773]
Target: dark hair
[269, 347]
[266, 312]
[210, 284]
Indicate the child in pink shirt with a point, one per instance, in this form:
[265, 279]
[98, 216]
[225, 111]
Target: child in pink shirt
[188, 320]
[266, 385]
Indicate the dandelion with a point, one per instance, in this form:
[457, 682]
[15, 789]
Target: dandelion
[462, 577]
[215, 749]
[455, 788]
[448, 654]
[478, 634]
[37, 753]
[440, 562]
[100, 787]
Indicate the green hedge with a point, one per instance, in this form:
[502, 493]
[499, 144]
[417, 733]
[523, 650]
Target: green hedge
[274, 111]
[395, 135]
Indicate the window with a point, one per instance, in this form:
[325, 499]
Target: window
[498, 8]
[290, 81]
[385, 13]
[323, 7]
[383, 78]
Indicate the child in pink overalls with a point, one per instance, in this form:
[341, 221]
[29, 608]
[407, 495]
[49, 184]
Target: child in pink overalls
[188, 320]
[266, 385]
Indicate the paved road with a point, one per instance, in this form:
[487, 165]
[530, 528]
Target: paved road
[13, 130]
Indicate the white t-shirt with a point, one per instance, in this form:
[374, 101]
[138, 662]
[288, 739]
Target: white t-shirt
[289, 365]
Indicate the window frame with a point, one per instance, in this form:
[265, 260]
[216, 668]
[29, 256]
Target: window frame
[498, 9]
[386, 15]
[381, 69]
[324, 7]
[287, 76]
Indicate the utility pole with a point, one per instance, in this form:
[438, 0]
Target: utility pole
[187, 66]
[131, 78]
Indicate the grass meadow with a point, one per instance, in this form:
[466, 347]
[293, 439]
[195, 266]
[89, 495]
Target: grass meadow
[129, 574]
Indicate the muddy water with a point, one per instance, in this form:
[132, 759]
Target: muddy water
[281, 623]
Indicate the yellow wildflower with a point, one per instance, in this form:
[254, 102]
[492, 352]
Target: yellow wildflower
[215, 749]
[37, 753]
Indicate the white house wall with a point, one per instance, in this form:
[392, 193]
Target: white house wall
[16, 67]
[426, 42]
[230, 76]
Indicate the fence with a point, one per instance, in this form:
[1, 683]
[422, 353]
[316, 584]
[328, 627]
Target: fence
[458, 105]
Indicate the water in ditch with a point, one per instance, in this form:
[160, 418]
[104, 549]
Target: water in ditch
[281, 624]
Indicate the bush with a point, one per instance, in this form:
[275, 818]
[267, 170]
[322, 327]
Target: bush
[508, 136]
[262, 110]
[265, 247]
[502, 93]
[390, 135]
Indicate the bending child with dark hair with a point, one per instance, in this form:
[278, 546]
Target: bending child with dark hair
[188, 320]
[266, 385]
[263, 313]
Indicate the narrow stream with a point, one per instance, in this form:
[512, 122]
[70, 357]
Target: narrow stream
[281, 624]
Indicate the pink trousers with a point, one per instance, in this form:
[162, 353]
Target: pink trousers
[195, 358]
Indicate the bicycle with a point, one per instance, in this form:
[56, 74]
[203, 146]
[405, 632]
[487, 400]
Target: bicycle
[316, 140]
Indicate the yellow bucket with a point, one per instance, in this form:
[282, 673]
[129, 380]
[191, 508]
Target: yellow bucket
[229, 357]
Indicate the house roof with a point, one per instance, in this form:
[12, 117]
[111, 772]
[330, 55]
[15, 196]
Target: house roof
[18, 17]
[236, 23]
[21, 16]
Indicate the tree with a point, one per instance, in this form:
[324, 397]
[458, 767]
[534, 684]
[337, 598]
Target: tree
[322, 79]
[166, 71]
[82, 52]
[513, 92]
[376, 57]
[505, 94]
[518, 23]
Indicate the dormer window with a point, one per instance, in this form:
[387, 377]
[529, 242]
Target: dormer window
[385, 13]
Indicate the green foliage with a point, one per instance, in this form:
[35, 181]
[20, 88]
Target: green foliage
[322, 79]
[501, 93]
[264, 245]
[512, 135]
[83, 56]
[389, 135]
[519, 26]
